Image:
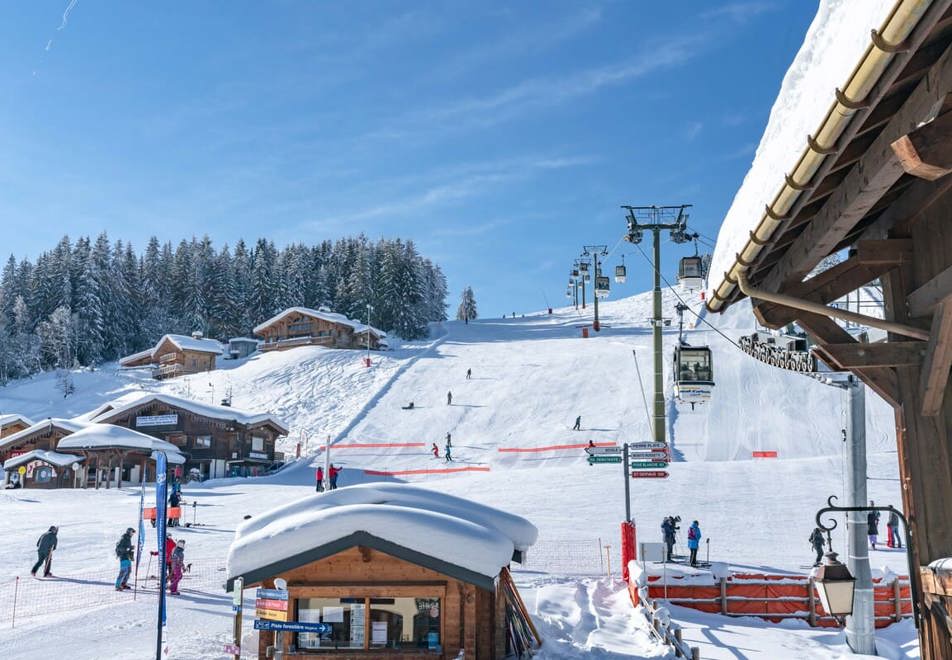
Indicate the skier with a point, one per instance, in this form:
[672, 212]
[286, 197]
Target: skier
[816, 540]
[449, 439]
[469, 374]
[872, 526]
[169, 548]
[578, 424]
[892, 526]
[449, 398]
[409, 406]
[449, 452]
[125, 553]
[436, 451]
[178, 567]
[174, 500]
[694, 540]
[332, 473]
[667, 533]
[319, 478]
[45, 546]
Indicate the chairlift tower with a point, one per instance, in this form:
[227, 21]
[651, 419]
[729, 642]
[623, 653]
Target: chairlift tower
[595, 251]
[657, 219]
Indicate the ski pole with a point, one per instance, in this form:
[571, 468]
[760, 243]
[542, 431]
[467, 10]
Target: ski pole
[16, 590]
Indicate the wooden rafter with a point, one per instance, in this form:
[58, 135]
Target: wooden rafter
[926, 153]
[855, 355]
[870, 179]
[923, 300]
[938, 360]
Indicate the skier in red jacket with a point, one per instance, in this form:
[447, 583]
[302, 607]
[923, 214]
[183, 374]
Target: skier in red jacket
[319, 477]
[332, 473]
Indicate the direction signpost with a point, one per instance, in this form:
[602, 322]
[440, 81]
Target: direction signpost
[602, 451]
[650, 474]
[293, 626]
[648, 445]
[643, 465]
[603, 459]
[643, 458]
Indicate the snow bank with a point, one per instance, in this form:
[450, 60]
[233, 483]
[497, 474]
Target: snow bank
[520, 531]
[122, 405]
[51, 457]
[836, 39]
[480, 549]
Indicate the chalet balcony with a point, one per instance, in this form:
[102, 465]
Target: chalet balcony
[168, 371]
[291, 342]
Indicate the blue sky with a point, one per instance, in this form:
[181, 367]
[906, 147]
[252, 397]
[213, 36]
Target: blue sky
[500, 137]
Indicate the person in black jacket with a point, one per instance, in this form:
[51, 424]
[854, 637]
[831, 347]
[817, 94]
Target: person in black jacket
[872, 526]
[667, 533]
[174, 500]
[45, 546]
[816, 540]
[126, 553]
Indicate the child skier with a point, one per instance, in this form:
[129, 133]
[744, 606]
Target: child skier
[45, 546]
[449, 452]
[816, 540]
[178, 567]
[435, 450]
[319, 478]
[125, 553]
[694, 541]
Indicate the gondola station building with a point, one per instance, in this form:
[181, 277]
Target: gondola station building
[385, 570]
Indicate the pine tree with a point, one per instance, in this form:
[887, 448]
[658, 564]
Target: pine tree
[466, 311]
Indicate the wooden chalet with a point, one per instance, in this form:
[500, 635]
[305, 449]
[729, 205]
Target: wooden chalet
[217, 441]
[301, 326]
[177, 355]
[873, 180]
[42, 469]
[10, 424]
[408, 583]
[39, 436]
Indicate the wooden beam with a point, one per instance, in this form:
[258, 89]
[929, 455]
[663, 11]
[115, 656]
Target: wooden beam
[938, 360]
[924, 299]
[856, 355]
[927, 151]
[892, 252]
[868, 180]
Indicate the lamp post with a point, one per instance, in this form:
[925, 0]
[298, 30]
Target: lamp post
[831, 584]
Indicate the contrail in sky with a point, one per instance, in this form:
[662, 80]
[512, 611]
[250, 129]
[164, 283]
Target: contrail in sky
[69, 8]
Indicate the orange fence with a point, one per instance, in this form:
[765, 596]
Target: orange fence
[764, 454]
[398, 473]
[374, 445]
[554, 447]
[775, 597]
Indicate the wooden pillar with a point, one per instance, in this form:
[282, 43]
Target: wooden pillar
[499, 621]
[469, 621]
[98, 469]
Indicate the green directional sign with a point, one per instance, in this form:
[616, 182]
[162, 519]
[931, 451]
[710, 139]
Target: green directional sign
[648, 465]
[603, 459]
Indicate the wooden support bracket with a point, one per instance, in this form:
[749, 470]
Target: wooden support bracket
[938, 360]
[859, 356]
[927, 151]
[923, 300]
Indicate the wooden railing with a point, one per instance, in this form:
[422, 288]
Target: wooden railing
[665, 630]
[271, 345]
[167, 370]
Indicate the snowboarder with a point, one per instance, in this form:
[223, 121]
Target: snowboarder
[667, 533]
[319, 478]
[892, 527]
[449, 452]
[178, 567]
[125, 553]
[872, 526]
[449, 398]
[174, 500]
[578, 424]
[469, 374]
[694, 541]
[435, 450]
[409, 406]
[332, 473]
[45, 546]
[816, 540]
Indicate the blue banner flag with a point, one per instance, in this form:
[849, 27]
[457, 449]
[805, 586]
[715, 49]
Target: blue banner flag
[161, 498]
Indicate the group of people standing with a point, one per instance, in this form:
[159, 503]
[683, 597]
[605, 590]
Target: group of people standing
[669, 530]
[447, 450]
[894, 539]
[332, 473]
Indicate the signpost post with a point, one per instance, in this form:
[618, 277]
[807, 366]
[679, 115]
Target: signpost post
[234, 649]
[271, 610]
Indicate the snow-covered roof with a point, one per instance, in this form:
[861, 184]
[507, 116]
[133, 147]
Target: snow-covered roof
[205, 409]
[251, 340]
[12, 418]
[68, 425]
[51, 457]
[187, 343]
[836, 39]
[103, 436]
[135, 357]
[433, 525]
[331, 317]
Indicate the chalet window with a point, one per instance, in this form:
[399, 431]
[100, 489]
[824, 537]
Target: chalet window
[167, 357]
[299, 328]
[203, 441]
[346, 617]
[405, 623]
[257, 443]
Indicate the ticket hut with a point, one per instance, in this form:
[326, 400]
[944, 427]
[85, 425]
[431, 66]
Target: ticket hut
[390, 570]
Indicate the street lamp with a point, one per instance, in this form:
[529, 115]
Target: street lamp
[835, 584]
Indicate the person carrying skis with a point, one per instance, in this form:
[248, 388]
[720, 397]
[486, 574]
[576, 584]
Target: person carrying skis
[319, 479]
[694, 541]
[872, 526]
[174, 500]
[178, 567]
[578, 424]
[126, 553]
[892, 527]
[816, 540]
[667, 534]
[45, 546]
[332, 473]
[469, 374]
[449, 398]
[435, 450]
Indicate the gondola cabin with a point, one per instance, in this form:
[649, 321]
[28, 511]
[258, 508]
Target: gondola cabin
[693, 374]
[602, 288]
[691, 274]
[621, 274]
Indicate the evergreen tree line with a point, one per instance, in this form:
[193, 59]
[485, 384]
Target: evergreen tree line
[91, 301]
